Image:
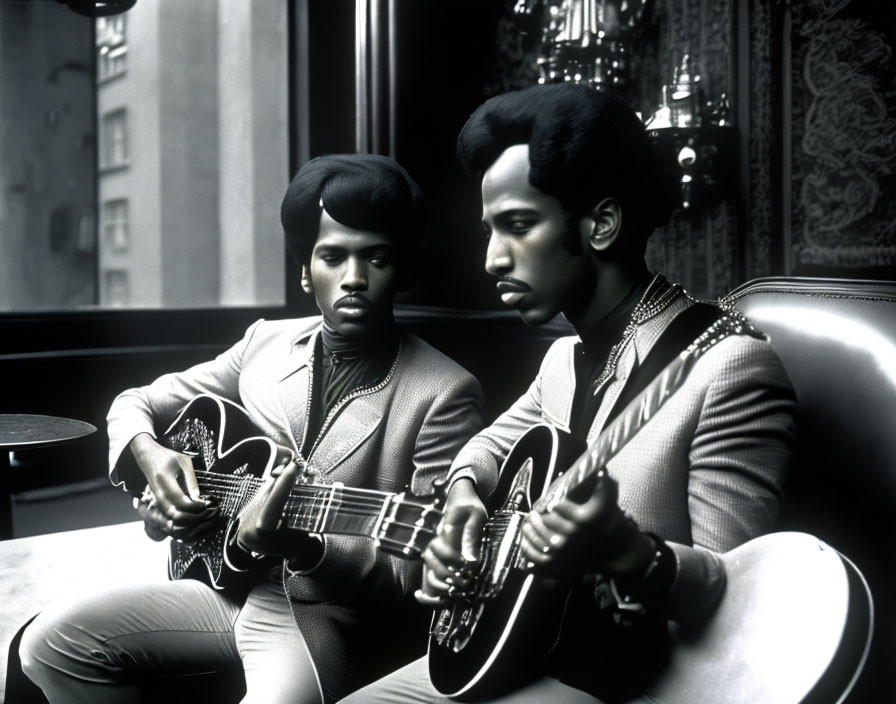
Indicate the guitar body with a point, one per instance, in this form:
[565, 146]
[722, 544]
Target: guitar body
[493, 641]
[793, 627]
[231, 459]
[221, 439]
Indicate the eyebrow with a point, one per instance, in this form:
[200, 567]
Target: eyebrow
[513, 213]
[364, 251]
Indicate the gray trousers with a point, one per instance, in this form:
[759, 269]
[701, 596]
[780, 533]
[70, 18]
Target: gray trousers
[100, 649]
[411, 685]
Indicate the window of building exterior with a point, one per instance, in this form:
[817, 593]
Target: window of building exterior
[115, 224]
[111, 50]
[114, 139]
[160, 188]
[118, 291]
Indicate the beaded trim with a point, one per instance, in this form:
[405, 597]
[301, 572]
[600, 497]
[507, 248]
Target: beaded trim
[659, 294]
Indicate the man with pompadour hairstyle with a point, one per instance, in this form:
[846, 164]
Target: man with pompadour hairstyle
[348, 396]
[571, 190]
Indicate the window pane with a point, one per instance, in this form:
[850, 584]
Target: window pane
[115, 225]
[146, 155]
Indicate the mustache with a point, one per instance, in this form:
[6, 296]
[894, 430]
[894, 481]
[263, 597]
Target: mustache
[508, 283]
[353, 300]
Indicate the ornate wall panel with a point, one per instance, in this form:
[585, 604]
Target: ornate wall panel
[762, 230]
[844, 138]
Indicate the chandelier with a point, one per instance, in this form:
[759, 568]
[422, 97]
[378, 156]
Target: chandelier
[584, 41]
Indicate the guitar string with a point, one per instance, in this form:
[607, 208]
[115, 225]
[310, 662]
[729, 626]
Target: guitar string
[217, 479]
[366, 510]
[305, 492]
[345, 505]
[365, 507]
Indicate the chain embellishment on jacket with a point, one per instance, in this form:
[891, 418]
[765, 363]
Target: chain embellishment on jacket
[659, 294]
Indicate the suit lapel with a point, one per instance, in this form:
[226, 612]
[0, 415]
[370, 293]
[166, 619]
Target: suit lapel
[643, 340]
[558, 387]
[294, 386]
[356, 421]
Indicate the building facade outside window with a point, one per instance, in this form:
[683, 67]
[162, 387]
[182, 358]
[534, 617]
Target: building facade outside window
[160, 188]
[117, 293]
[111, 47]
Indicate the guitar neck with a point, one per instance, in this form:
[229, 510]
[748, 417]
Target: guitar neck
[337, 509]
[313, 508]
[641, 409]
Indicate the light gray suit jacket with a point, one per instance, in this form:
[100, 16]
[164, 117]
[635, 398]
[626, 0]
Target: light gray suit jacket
[404, 432]
[706, 473]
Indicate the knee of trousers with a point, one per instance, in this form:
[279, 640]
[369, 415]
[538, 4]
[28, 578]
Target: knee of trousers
[54, 646]
[34, 649]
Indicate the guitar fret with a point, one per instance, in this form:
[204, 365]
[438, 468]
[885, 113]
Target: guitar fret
[337, 486]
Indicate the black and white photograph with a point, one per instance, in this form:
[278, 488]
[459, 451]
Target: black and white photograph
[433, 351]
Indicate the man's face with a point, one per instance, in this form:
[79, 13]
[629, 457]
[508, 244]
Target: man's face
[527, 231]
[353, 277]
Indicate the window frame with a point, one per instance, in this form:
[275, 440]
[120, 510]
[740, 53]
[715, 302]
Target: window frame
[102, 331]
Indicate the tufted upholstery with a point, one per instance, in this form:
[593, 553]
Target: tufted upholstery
[837, 340]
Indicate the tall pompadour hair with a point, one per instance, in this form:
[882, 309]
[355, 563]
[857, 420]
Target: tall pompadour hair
[584, 145]
[361, 191]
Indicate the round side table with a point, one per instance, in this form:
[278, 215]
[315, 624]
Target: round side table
[21, 431]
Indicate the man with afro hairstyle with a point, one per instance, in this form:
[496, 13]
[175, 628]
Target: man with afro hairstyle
[347, 395]
[571, 190]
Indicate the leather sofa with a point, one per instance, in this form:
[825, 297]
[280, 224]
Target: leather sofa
[837, 340]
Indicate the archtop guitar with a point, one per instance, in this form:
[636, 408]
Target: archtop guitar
[492, 637]
[230, 458]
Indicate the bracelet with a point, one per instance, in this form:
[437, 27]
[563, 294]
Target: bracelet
[656, 581]
[660, 573]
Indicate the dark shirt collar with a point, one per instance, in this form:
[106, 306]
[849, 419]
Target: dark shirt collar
[607, 331]
[336, 347]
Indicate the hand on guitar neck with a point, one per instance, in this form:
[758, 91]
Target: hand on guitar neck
[262, 528]
[172, 505]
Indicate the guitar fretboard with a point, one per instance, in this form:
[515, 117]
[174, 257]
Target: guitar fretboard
[334, 508]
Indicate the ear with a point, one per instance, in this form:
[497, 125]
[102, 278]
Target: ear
[602, 225]
[306, 280]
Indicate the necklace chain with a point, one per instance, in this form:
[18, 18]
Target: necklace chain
[658, 295]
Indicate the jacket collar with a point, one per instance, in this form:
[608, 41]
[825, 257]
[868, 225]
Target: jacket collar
[645, 337]
[301, 352]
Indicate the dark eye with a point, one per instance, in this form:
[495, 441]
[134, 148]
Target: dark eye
[380, 260]
[487, 231]
[330, 258]
[520, 226]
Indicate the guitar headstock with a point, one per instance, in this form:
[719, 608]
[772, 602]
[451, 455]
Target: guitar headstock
[408, 524]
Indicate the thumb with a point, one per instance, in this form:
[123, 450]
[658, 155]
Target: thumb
[472, 536]
[189, 475]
